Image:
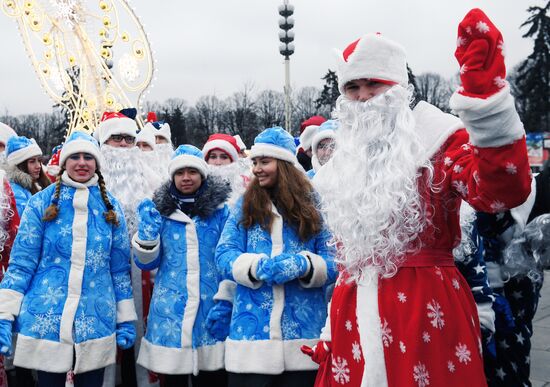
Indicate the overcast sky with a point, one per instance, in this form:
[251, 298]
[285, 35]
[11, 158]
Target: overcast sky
[215, 47]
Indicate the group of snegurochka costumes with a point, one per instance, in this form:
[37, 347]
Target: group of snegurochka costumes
[67, 289]
[408, 330]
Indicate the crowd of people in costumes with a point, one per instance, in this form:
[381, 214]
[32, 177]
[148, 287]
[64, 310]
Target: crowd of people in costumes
[383, 248]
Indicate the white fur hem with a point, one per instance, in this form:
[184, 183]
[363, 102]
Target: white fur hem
[125, 311]
[244, 264]
[10, 304]
[54, 356]
[491, 122]
[368, 322]
[145, 256]
[319, 267]
[270, 357]
[172, 361]
[226, 291]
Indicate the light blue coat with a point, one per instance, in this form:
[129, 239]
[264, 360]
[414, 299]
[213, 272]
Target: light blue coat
[68, 281]
[176, 340]
[270, 323]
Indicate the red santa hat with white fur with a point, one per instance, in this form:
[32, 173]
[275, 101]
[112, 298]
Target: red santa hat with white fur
[375, 57]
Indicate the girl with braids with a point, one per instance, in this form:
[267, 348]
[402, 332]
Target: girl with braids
[67, 290]
[274, 246]
[23, 168]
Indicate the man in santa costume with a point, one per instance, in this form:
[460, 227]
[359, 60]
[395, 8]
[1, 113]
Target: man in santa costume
[130, 181]
[401, 314]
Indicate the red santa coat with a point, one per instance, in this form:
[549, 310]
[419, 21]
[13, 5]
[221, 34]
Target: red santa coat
[420, 328]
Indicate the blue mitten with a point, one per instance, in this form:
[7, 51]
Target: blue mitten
[125, 334]
[6, 327]
[288, 267]
[218, 320]
[149, 221]
[264, 269]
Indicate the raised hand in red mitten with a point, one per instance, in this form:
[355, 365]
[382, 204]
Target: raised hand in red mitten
[479, 51]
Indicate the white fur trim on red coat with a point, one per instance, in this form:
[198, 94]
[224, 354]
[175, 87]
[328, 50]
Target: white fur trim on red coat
[491, 122]
[369, 325]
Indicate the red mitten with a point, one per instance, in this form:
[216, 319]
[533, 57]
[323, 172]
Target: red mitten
[480, 54]
[319, 352]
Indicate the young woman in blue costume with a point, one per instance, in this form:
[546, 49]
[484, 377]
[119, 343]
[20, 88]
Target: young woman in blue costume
[67, 289]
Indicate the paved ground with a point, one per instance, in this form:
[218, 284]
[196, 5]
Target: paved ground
[540, 351]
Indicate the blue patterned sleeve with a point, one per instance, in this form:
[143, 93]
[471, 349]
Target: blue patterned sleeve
[232, 243]
[21, 199]
[25, 257]
[120, 268]
[325, 249]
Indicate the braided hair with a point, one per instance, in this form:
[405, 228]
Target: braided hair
[53, 209]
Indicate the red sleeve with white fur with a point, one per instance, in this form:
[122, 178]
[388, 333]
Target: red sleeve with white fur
[491, 179]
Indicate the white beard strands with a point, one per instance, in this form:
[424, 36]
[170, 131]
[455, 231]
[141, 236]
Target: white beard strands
[369, 188]
[5, 213]
[235, 174]
[164, 153]
[153, 177]
[467, 247]
[125, 180]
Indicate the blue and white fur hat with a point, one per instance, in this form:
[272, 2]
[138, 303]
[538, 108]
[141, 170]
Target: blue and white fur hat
[80, 142]
[21, 148]
[275, 142]
[326, 130]
[188, 156]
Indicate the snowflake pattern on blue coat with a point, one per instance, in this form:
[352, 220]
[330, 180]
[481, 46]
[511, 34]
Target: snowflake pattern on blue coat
[170, 301]
[21, 195]
[304, 311]
[40, 266]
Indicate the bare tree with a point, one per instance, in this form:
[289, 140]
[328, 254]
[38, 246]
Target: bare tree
[270, 107]
[434, 89]
[305, 105]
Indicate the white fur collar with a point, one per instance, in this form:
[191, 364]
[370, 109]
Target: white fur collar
[434, 127]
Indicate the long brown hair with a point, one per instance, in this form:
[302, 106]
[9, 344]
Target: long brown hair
[293, 197]
[53, 210]
[43, 181]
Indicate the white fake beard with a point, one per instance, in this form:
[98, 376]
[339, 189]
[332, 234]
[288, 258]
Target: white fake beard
[369, 188]
[164, 153]
[151, 171]
[123, 171]
[6, 212]
[236, 175]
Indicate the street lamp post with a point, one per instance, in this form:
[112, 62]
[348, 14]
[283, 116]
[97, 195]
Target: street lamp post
[286, 48]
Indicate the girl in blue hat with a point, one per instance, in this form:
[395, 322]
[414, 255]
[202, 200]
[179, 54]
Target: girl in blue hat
[274, 246]
[67, 289]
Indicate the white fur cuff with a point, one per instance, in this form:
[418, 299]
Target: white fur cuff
[226, 291]
[126, 311]
[491, 122]
[145, 256]
[319, 267]
[10, 304]
[244, 264]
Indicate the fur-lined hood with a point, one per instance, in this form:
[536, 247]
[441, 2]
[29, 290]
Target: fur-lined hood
[15, 175]
[216, 193]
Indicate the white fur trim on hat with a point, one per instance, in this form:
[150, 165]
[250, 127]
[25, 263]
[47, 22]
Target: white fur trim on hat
[307, 136]
[79, 146]
[222, 145]
[20, 155]
[116, 125]
[147, 136]
[5, 133]
[165, 132]
[188, 161]
[320, 136]
[374, 57]
[269, 150]
[240, 142]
